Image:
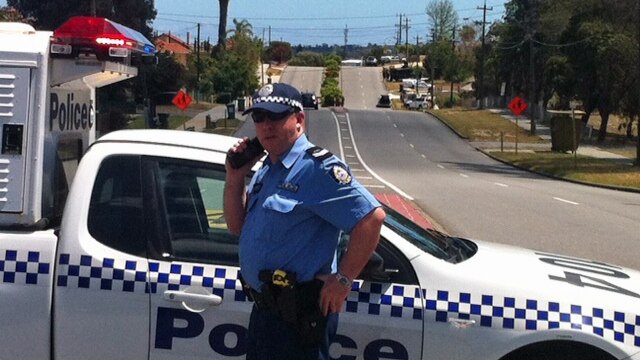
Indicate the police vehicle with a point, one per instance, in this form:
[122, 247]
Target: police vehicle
[146, 268]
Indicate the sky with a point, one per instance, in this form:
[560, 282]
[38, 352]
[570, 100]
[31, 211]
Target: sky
[313, 22]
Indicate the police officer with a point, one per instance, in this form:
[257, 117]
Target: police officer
[290, 217]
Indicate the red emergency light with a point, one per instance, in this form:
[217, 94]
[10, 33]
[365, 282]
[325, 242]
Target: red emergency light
[99, 36]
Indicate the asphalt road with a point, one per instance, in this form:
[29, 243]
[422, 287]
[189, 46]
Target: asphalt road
[464, 191]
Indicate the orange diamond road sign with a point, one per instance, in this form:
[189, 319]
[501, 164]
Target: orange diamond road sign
[181, 100]
[517, 105]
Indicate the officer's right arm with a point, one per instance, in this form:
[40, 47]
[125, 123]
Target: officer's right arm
[234, 190]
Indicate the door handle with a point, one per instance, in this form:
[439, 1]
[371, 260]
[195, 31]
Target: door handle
[461, 323]
[184, 297]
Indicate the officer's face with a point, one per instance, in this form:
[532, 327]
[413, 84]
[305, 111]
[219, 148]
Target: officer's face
[278, 136]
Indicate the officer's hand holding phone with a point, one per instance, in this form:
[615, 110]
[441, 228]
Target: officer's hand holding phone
[240, 155]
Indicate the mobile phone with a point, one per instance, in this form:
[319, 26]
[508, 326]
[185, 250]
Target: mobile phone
[253, 150]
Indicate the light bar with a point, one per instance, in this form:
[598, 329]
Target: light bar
[103, 37]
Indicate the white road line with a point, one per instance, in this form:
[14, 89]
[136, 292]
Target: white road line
[364, 165]
[395, 126]
[413, 147]
[401, 134]
[356, 170]
[501, 184]
[348, 147]
[350, 156]
[423, 156]
[364, 177]
[464, 175]
[441, 166]
[375, 186]
[565, 201]
[339, 139]
[346, 138]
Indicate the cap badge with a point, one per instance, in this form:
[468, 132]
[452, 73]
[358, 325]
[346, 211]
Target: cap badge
[266, 90]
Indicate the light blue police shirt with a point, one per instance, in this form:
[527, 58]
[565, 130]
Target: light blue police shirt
[295, 212]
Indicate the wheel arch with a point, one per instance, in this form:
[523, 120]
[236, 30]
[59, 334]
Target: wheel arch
[557, 349]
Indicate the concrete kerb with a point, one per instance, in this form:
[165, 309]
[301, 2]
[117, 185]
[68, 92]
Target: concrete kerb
[591, 149]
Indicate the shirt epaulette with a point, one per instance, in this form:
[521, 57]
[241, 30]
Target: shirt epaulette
[319, 153]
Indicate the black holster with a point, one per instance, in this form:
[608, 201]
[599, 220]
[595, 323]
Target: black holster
[298, 305]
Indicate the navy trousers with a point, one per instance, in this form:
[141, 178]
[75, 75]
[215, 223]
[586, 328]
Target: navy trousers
[270, 338]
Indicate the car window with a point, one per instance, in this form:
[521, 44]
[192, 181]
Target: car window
[115, 211]
[189, 220]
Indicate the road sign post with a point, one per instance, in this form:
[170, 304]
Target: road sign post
[517, 107]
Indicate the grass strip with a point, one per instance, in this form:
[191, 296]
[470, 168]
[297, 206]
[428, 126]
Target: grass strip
[580, 168]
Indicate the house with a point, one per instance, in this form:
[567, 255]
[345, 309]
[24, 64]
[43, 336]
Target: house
[174, 45]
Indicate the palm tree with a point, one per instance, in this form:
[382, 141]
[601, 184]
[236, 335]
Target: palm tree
[241, 28]
[222, 25]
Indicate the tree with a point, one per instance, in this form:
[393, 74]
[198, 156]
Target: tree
[222, 24]
[241, 28]
[442, 18]
[279, 51]
[307, 58]
[136, 14]
[8, 13]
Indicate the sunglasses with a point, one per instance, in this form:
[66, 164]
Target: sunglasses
[261, 116]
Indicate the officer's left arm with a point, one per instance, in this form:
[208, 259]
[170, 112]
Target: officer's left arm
[364, 239]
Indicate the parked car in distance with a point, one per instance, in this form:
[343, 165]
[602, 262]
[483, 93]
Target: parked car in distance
[384, 101]
[419, 103]
[309, 100]
[371, 61]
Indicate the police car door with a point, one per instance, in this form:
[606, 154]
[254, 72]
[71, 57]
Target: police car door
[101, 303]
[198, 309]
[383, 316]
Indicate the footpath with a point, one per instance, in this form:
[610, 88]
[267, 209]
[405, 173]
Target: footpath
[544, 132]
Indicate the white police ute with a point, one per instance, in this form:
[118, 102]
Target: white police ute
[145, 268]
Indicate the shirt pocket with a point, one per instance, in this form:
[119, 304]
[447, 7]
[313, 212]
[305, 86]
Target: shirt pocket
[280, 204]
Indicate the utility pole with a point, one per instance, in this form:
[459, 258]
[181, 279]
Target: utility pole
[346, 37]
[198, 66]
[531, 14]
[399, 34]
[406, 37]
[417, 63]
[261, 57]
[484, 9]
[269, 35]
[453, 45]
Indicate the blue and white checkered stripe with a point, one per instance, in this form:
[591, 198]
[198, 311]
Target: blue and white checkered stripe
[399, 301]
[529, 314]
[23, 267]
[131, 276]
[372, 299]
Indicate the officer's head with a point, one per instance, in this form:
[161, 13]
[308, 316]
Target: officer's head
[278, 116]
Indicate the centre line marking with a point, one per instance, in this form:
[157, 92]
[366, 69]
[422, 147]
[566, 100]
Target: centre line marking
[464, 175]
[501, 184]
[565, 201]
[440, 166]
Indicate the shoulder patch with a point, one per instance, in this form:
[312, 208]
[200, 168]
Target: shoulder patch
[319, 153]
[341, 175]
